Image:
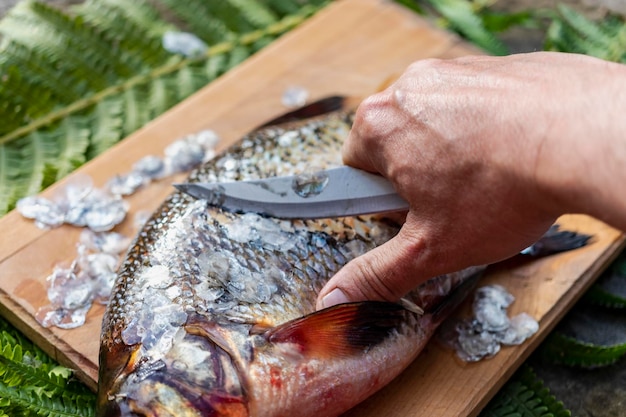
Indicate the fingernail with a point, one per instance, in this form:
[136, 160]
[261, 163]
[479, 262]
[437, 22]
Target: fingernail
[334, 297]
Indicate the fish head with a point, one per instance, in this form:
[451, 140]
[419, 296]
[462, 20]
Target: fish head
[195, 378]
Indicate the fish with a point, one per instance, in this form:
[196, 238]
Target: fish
[213, 312]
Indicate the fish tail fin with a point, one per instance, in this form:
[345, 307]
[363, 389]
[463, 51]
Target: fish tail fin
[556, 240]
[317, 108]
[442, 310]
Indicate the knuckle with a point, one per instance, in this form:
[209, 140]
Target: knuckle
[424, 64]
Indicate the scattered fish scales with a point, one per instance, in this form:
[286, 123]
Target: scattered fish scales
[95, 209]
[150, 166]
[481, 336]
[126, 184]
[184, 43]
[521, 328]
[81, 204]
[111, 242]
[294, 97]
[90, 278]
[44, 211]
[184, 155]
[474, 346]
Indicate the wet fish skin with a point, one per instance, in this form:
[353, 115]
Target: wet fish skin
[213, 313]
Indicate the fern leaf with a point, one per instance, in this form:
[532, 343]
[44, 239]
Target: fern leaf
[32, 68]
[215, 66]
[36, 156]
[254, 12]
[461, 17]
[15, 373]
[137, 14]
[610, 289]
[10, 171]
[30, 403]
[525, 396]
[570, 31]
[106, 122]
[47, 148]
[21, 100]
[199, 19]
[559, 348]
[94, 44]
[134, 27]
[135, 114]
[283, 7]
[63, 40]
[36, 151]
[32, 384]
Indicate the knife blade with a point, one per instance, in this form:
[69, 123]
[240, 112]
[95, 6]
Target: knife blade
[336, 192]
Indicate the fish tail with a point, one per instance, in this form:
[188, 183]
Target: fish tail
[556, 240]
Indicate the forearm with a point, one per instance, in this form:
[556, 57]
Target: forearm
[580, 161]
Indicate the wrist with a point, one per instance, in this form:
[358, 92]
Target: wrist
[580, 158]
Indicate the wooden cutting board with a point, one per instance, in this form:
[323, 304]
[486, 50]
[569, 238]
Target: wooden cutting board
[351, 48]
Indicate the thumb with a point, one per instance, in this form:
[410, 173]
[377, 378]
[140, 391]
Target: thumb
[387, 272]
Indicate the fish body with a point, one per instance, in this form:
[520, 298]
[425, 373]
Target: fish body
[213, 312]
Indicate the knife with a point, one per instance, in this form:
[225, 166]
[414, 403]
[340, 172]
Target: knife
[336, 192]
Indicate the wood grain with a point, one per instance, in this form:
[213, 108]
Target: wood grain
[352, 48]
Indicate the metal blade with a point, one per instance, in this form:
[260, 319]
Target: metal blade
[337, 192]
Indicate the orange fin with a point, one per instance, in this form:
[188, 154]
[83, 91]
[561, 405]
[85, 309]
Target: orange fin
[199, 325]
[341, 330]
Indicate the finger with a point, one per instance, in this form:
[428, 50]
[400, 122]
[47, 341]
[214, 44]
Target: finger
[385, 273]
[360, 147]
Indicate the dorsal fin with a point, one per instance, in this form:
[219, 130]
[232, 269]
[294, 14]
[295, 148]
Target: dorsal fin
[317, 108]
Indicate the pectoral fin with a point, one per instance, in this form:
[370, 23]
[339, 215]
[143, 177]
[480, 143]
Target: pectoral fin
[341, 330]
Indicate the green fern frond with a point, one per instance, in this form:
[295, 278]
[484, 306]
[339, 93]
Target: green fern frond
[130, 28]
[122, 17]
[33, 67]
[601, 296]
[32, 384]
[106, 121]
[285, 7]
[559, 348]
[610, 289]
[255, 12]
[460, 16]
[525, 396]
[28, 403]
[47, 135]
[570, 31]
[200, 20]
[82, 53]
[15, 373]
[10, 172]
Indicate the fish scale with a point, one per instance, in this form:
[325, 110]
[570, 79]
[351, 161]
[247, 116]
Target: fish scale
[213, 313]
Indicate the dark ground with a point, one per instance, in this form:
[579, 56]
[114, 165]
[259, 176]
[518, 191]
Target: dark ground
[587, 393]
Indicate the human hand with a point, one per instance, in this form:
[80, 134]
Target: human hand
[483, 149]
